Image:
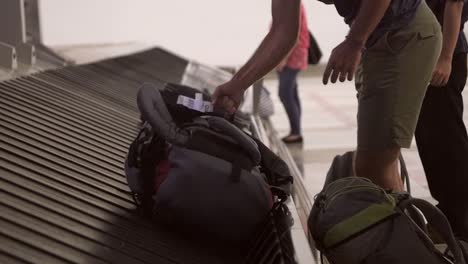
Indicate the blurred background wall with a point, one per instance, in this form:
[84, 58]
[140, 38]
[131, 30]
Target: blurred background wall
[218, 32]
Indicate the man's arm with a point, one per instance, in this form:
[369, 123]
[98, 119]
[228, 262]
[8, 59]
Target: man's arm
[274, 47]
[451, 30]
[346, 56]
[367, 19]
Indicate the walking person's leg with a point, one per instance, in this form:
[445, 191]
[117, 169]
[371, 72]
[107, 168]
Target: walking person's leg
[391, 85]
[287, 94]
[298, 103]
[443, 146]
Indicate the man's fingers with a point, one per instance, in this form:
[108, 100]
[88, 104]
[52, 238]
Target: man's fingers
[347, 74]
[335, 74]
[444, 81]
[232, 110]
[438, 80]
[218, 100]
[326, 74]
[435, 78]
[343, 75]
[351, 74]
[215, 97]
[229, 105]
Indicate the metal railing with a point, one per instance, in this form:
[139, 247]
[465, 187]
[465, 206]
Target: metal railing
[264, 129]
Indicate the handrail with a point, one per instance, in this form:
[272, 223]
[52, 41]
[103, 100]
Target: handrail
[265, 131]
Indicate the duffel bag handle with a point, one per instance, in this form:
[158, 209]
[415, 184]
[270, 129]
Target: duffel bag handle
[247, 143]
[154, 110]
[404, 173]
[342, 166]
[439, 221]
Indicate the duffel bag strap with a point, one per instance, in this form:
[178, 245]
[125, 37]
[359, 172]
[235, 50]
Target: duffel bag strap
[439, 221]
[404, 173]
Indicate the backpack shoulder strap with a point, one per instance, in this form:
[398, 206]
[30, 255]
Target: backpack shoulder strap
[439, 221]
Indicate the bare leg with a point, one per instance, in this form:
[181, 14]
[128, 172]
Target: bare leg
[380, 166]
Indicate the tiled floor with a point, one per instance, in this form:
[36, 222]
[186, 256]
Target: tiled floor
[329, 128]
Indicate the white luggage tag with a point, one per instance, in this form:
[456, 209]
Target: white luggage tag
[197, 104]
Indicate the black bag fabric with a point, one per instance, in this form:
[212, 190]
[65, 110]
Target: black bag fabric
[315, 53]
[195, 171]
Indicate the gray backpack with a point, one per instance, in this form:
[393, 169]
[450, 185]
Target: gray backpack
[355, 221]
[193, 170]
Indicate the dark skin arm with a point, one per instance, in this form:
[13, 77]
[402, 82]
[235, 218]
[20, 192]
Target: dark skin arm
[274, 47]
[452, 20]
[345, 57]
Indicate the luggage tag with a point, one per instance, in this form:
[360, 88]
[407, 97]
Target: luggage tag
[197, 103]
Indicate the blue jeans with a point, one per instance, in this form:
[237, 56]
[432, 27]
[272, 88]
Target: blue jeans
[289, 97]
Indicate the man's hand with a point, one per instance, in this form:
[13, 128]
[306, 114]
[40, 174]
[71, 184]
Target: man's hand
[442, 72]
[228, 96]
[346, 56]
[343, 62]
[451, 29]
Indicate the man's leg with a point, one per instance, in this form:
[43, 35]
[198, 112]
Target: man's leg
[381, 167]
[287, 90]
[443, 146]
[391, 84]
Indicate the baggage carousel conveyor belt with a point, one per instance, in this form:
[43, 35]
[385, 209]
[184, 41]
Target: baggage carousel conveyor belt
[63, 196]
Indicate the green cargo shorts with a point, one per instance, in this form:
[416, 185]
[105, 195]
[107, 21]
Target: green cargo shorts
[392, 80]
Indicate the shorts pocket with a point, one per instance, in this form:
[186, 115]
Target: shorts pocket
[398, 40]
[427, 32]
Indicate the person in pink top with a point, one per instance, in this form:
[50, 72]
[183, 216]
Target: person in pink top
[288, 70]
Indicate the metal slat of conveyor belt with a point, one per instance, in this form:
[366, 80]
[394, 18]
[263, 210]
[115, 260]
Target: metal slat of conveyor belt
[36, 88]
[49, 127]
[92, 161]
[73, 145]
[64, 135]
[88, 94]
[62, 119]
[46, 106]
